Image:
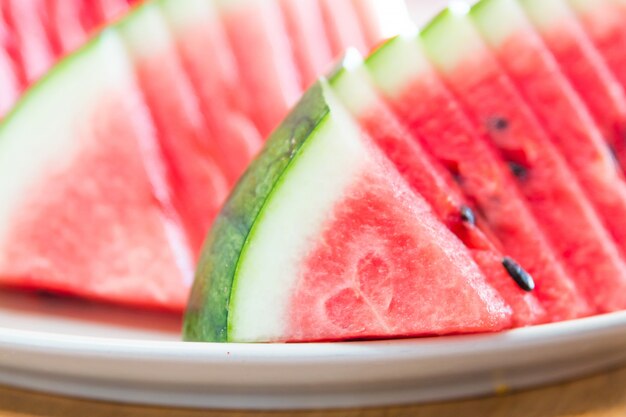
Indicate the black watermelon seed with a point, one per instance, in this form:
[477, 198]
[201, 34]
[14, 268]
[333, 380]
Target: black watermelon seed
[613, 155]
[518, 170]
[519, 275]
[467, 215]
[498, 124]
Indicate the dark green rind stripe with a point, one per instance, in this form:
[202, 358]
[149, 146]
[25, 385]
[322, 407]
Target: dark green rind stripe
[206, 318]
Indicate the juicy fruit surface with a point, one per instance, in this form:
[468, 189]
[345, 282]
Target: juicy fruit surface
[536, 74]
[431, 180]
[426, 106]
[361, 278]
[584, 67]
[537, 77]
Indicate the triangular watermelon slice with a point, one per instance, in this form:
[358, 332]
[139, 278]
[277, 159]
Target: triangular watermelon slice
[497, 109]
[363, 258]
[84, 207]
[421, 100]
[574, 132]
[428, 178]
[584, 67]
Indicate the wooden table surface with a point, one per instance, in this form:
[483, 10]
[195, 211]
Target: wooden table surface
[602, 395]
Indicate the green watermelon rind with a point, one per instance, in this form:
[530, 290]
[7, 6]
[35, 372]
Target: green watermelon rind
[206, 318]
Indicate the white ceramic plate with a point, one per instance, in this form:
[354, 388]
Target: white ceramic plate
[98, 352]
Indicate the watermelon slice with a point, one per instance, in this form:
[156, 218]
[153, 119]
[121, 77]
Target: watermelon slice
[84, 208]
[497, 110]
[197, 29]
[539, 79]
[268, 70]
[429, 179]
[198, 183]
[363, 258]
[584, 67]
[307, 33]
[421, 100]
[603, 21]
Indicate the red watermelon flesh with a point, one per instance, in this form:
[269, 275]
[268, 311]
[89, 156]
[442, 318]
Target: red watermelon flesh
[67, 22]
[430, 180]
[89, 215]
[198, 185]
[369, 21]
[603, 22]
[233, 136]
[119, 223]
[343, 27]
[558, 203]
[268, 71]
[9, 83]
[427, 106]
[586, 70]
[537, 76]
[25, 18]
[359, 279]
[109, 10]
[307, 33]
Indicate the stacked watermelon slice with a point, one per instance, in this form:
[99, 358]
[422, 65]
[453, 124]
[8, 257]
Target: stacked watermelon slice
[140, 134]
[458, 180]
[469, 178]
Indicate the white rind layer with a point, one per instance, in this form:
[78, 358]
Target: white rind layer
[396, 63]
[546, 14]
[450, 39]
[353, 85]
[288, 226]
[34, 139]
[499, 19]
[183, 14]
[146, 32]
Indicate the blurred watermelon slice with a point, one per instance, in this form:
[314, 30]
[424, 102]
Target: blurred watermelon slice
[85, 210]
